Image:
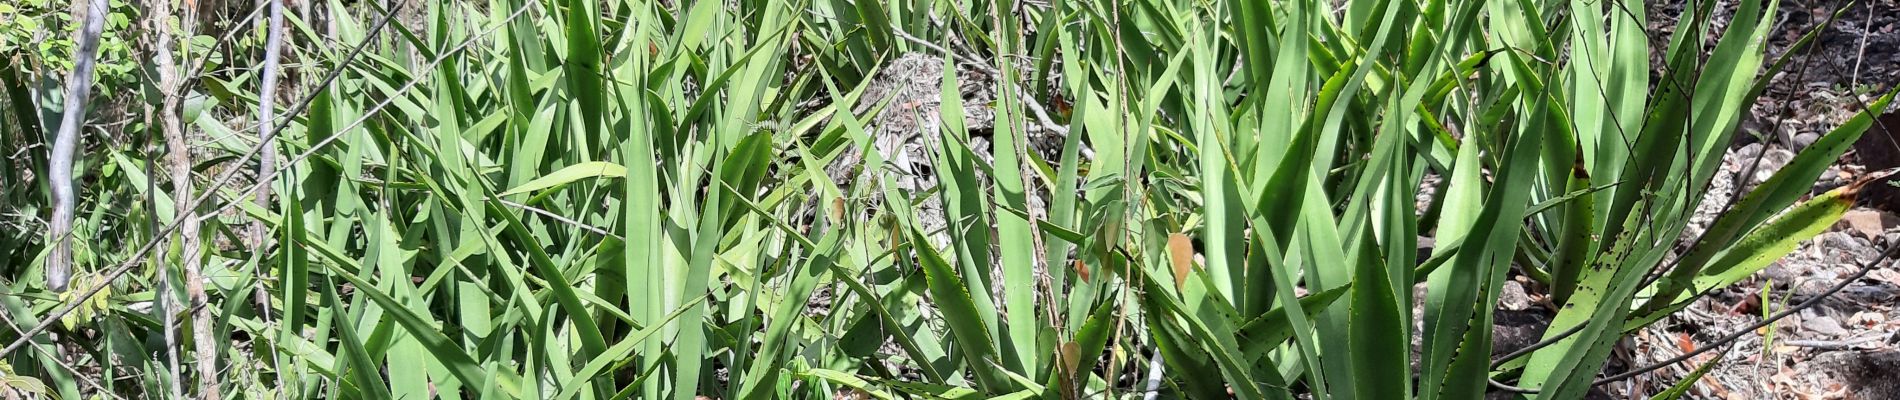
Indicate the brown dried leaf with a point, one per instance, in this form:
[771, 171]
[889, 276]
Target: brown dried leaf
[1071, 357]
[1181, 254]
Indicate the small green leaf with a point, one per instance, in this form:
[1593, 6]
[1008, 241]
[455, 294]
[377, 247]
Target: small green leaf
[1682, 387]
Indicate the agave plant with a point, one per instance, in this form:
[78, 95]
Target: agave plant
[917, 199]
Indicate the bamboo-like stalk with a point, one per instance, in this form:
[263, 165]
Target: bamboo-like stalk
[59, 264]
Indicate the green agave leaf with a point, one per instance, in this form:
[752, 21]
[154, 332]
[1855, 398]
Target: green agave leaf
[1776, 239]
[774, 345]
[617, 356]
[1376, 318]
[1272, 328]
[949, 292]
[848, 380]
[1788, 184]
[1202, 344]
[935, 391]
[570, 174]
[1574, 241]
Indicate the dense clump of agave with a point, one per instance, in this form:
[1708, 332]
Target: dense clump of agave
[759, 199]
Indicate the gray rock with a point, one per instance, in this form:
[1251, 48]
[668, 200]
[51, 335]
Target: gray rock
[1838, 240]
[1425, 245]
[1805, 139]
[1867, 223]
[1771, 161]
[1513, 297]
[1780, 272]
[1747, 151]
[1824, 325]
[1427, 190]
[1514, 330]
[1824, 274]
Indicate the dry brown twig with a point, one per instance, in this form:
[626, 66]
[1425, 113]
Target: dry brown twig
[1839, 344]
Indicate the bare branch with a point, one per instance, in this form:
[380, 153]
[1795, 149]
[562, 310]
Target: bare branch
[1839, 344]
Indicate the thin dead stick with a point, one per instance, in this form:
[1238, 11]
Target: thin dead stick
[1124, 309]
[565, 220]
[1860, 55]
[59, 264]
[1507, 387]
[161, 291]
[1534, 346]
[1837, 344]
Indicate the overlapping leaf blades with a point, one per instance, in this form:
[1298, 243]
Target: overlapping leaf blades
[630, 199]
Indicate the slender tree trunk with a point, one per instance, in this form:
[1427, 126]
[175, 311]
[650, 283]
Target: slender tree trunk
[155, 25]
[259, 240]
[59, 264]
[170, 86]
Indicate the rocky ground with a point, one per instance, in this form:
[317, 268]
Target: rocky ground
[1835, 350]
[1845, 347]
